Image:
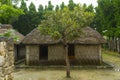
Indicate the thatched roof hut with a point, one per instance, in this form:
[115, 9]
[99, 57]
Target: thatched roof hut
[89, 36]
[18, 48]
[85, 49]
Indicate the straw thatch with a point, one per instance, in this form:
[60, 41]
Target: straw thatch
[89, 36]
[5, 27]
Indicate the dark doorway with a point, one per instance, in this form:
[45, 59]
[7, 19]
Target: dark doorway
[43, 55]
[16, 50]
[71, 53]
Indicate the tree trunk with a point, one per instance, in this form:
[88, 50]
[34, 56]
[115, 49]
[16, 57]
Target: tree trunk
[119, 45]
[67, 59]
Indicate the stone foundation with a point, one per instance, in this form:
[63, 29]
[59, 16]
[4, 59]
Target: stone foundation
[6, 59]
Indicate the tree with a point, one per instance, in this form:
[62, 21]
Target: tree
[56, 8]
[84, 6]
[29, 20]
[22, 23]
[50, 6]
[40, 9]
[90, 8]
[62, 5]
[7, 2]
[41, 12]
[46, 7]
[32, 8]
[23, 6]
[105, 15]
[71, 4]
[33, 18]
[16, 1]
[8, 14]
[66, 25]
[107, 20]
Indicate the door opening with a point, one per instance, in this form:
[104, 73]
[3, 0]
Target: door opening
[43, 54]
[71, 53]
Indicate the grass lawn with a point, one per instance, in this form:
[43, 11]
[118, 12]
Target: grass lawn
[77, 74]
[112, 57]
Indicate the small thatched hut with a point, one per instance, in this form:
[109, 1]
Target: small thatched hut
[84, 50]
[19, 49]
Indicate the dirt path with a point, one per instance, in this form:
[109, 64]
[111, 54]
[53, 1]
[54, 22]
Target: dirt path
[77, 74]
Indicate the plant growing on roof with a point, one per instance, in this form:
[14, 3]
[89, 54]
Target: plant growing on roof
[10, 34]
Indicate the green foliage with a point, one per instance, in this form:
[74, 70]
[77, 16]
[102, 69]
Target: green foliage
[29, 20]
[90, 8]
[6, 34]
[66, 23]
[16, 1]
[84, 6]
[22, 24]
[107, 17]
[41, 12]
[62, 5]
[10, 2]
[32, 8]
[117, 32]
[32, 18]
[10, 34]
[71, 5]
[50, 6]
[56, 8]
[7, 2]
[111, 32]
[45, 7]
[40, 9]
[23, 6]
[9, 14]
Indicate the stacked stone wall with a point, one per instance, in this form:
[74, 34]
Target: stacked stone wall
[6, 59]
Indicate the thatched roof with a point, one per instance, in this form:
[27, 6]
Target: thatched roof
[5, 27]
[89, 36]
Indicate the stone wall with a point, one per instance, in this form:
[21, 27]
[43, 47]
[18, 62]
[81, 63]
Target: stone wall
[6, 59]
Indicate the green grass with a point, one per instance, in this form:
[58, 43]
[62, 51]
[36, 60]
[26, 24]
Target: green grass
[112, 57]
[77, 74]
[110, 53]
